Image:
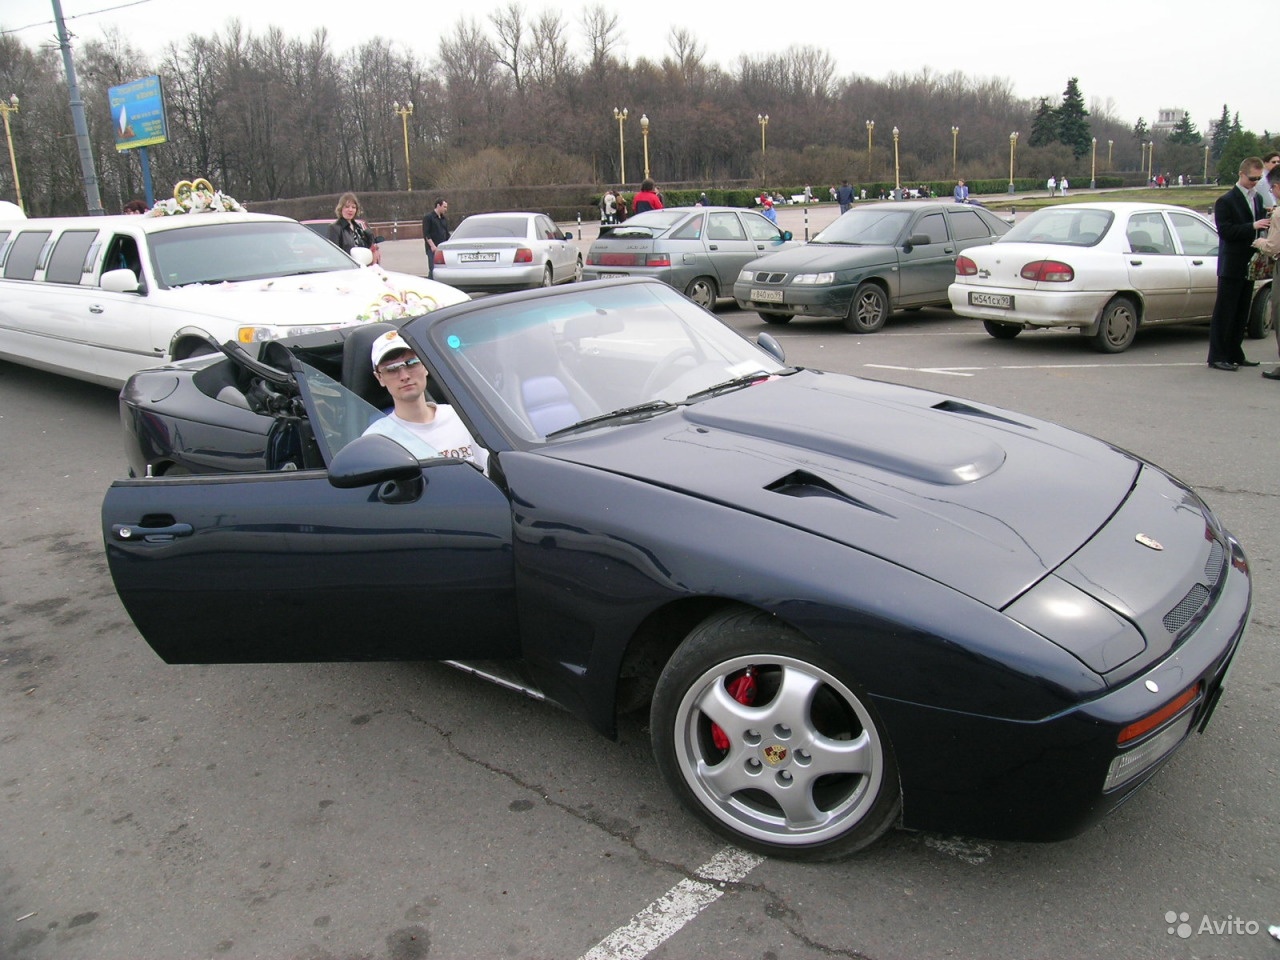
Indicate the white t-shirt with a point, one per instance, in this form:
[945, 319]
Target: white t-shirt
[445, 436]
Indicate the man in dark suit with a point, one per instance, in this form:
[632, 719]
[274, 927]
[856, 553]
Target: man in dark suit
[1239, 216]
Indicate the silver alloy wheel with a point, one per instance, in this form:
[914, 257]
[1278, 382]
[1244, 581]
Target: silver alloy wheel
[548, 278]
[802, 768]
[869, 309]
[702, 291]
[577, 270]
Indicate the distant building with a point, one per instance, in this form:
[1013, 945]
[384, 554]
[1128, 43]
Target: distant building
[1167, 118]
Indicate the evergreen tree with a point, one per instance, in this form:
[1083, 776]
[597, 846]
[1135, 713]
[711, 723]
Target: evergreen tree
[1044, 128]
[1219, 133]
[1073, 120]
[1185, 132]
[1141, 132]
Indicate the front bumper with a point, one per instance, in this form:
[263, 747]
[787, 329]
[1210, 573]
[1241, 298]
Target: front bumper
[1044, 780]
[827, 300]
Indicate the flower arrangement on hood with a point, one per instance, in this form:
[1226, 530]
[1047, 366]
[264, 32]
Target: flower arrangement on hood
[196, 196]
[398, 305]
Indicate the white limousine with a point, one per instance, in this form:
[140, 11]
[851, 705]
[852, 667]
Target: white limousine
[99, 298]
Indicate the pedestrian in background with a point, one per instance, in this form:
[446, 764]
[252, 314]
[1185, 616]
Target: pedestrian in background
[1270, 245]
[435, 231]
[135, 207]
[348, 231]
[961, 192]
[646, 198]
[844, 196]
[1266, 193]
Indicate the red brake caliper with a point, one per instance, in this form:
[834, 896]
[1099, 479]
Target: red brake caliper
[743, 689]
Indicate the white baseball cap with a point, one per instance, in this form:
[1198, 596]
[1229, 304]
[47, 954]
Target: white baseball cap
[387, 344]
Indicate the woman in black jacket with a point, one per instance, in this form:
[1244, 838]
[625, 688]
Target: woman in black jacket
[347, 231]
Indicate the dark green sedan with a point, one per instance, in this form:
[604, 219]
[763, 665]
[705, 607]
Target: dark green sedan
[873, 260]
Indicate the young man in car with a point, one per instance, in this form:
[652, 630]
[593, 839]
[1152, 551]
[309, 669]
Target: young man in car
[423, 427]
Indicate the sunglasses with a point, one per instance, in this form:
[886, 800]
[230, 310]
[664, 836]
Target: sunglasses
[393, 368]
[1253, 179]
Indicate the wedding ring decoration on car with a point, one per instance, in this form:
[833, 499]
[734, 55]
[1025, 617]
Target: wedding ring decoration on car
[196, 196]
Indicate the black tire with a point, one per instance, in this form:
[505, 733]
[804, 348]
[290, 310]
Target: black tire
[1001, 331]
[809, 775]
[778, 318]
[703, 291]
[577, 271]
[1260, 321]
[868, 310]
[1118, 326]
[548, 277]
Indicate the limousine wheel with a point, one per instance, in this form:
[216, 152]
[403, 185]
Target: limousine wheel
[770, 744]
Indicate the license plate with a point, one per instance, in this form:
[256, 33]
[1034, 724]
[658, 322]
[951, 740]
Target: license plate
[611, 276]
[767, 296]
[1001, 301]
[477, 258]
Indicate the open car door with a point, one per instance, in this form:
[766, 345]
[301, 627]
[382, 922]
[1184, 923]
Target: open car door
[377, 557]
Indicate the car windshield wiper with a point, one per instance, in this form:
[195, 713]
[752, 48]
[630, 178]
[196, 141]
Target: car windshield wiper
[638, 411]
[746, 380]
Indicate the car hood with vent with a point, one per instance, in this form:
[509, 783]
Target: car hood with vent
[985, 501]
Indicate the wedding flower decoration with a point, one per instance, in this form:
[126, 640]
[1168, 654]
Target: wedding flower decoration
[196, 196]
[398, 305]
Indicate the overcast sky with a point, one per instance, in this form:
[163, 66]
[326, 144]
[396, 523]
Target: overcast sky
[1140, 56]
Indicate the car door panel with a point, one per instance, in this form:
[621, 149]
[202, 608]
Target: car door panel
[1155, 269]
[926, 269]
[1199, 244]
[284, 567]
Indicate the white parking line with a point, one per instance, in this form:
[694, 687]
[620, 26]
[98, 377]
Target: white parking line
[662, 919]
[968, 371]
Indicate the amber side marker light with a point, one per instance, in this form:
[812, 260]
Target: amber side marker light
[1148, 723]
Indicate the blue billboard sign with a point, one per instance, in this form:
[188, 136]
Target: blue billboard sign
[137, 113]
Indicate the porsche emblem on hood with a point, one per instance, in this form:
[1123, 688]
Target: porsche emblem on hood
[1151, 542]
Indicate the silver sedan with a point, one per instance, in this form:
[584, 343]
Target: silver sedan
[698, 250]
[491, 252]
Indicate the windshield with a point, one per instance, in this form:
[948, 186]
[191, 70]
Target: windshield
[873, 225]
[546, 363]
[491, 227]
[1070, 225]
[252, 250]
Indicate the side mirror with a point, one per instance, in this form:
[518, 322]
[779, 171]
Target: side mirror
[120, 281]
[567, 235]
[361, 255]
[786, 235]
[770, 345]
[372, 459]
[916, 240]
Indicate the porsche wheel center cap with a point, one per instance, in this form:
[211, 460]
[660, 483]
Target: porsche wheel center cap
[775, 754]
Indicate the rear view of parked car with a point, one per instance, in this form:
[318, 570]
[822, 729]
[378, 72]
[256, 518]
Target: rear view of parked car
[697, 250]
[1105, 269]
[492, 252]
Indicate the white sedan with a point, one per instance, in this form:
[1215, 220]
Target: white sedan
[1105, 268]
[491, 252]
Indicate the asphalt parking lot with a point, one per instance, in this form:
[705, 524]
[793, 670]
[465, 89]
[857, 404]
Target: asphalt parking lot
[404, 811]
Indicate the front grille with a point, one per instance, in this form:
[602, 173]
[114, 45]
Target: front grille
[1186, 608]
[766, 277]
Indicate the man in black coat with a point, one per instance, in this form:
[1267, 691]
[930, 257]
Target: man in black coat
[1239, 217]
[435, 231]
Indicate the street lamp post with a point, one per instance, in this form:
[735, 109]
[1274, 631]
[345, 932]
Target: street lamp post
[621, 117]
[1013, 150]
[1151, 159]
[644, 135]
[1109, 143]
[897, 181]
[1093, 166]
[871, 128]
[405, 113]
[955, 140]
[1206, 163]
[6, 109]
[763, 120]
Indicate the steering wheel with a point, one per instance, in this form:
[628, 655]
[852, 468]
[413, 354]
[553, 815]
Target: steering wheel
[663, 369]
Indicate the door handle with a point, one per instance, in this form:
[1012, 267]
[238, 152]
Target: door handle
[130, 532]
[95, 308]
[1198, 263]
[712, 246]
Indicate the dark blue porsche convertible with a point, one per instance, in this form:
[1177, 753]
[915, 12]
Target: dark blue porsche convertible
[845, 604]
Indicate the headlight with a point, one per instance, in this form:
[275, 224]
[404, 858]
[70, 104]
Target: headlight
[1096, 635]
[746, 276]
[814, 278]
